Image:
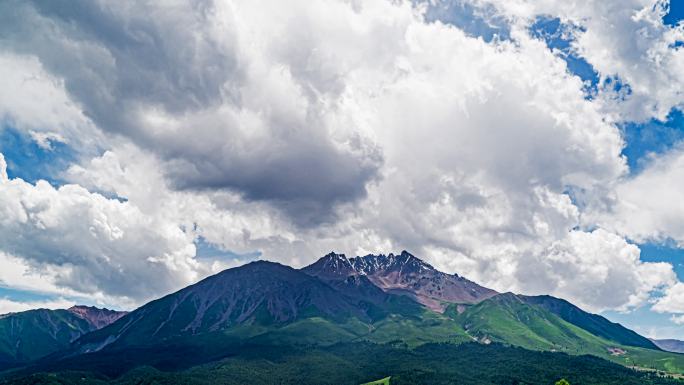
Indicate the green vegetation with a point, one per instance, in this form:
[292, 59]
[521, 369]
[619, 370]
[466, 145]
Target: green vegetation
[649, 359]
[502, 319]
[499, 320]
[507, 319]
[33, 334]
[370, 337]
[359, 363]
[428, 327]
[384, 381]
[592, 323]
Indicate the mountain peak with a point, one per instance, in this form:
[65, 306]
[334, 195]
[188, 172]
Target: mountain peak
[405, 274]
[404, 263]
[256, 267]
[335, 258]
[259, 293]
[97, 317]
[331, 266]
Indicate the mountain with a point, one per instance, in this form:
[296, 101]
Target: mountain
[403, 274]
[670, 345]
[536, 316]
[379, 298]
[592, 323]
[331, 266]
[252, 299]
[97, 317]
[32, 334]
[508, 318]
[397, 301]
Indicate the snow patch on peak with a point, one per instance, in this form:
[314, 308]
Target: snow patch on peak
[331, 265]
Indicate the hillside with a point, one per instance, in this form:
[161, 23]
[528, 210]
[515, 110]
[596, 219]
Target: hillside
[357, 363]
[32, 334]
[337, 301]
[506, 318]
[592, 323]
[268, 301]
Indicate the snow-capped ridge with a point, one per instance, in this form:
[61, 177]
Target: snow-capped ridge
[402, 273]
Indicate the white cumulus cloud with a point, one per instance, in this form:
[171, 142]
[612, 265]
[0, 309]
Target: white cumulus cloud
[647, 207]
[10, 306]
[296, 128]
[101, 245]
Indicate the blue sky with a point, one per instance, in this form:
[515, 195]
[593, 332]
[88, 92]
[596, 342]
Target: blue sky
[485, 137]
[27, 160]
[645, 140]
[675, 14]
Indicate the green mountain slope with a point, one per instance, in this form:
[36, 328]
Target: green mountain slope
[33, 334]
[508, 319]
[189, 350]
[594, 324]
[268, 304]
[277, 304]
[357, 363]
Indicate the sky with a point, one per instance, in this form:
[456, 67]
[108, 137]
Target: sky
[534, 146]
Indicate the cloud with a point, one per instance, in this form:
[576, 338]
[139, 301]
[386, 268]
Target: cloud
[221, 218]
[671, 302]
[261, 108]
[9, 306]
[18, 273]
[625, 40]
[596, 270]
[3, 169]
[645, 207]
[100, 246]
[55, 118]
[300, 127]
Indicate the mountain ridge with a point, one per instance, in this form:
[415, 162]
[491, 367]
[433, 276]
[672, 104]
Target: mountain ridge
[669, 345]
[593, 323]
[382, 299]
[259, 294]
[98, 317]
[32, 334]
[403, 274]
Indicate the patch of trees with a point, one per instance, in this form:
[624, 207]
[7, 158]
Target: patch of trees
[353, 364]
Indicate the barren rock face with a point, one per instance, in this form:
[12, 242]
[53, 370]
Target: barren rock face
[99, 318]
[403, 274]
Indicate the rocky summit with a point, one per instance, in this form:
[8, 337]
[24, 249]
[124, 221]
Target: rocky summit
[404, 274]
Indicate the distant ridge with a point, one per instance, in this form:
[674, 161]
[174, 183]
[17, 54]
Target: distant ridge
[97, 317]
[32, 334]
[670, 345]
